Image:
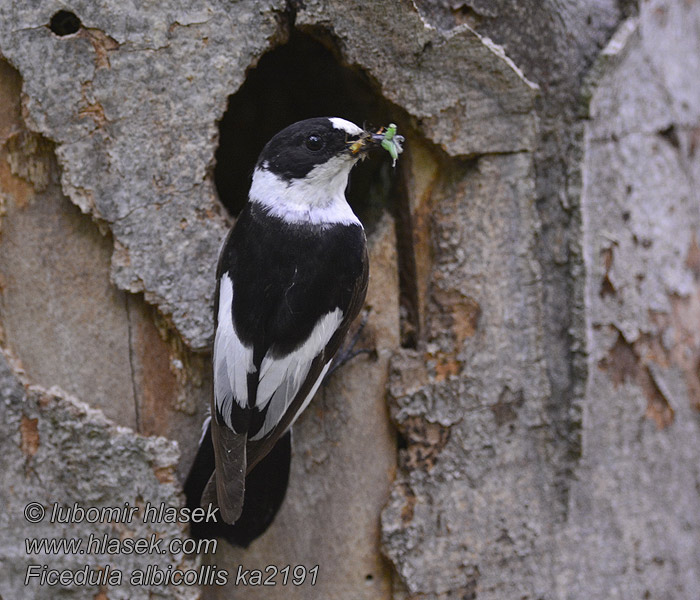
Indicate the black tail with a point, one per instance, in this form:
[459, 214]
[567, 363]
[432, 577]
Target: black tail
[265, 487]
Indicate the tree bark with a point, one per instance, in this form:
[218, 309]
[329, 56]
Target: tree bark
[528, 427]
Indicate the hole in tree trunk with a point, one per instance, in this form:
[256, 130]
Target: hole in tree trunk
[64, 23]
[299, 80]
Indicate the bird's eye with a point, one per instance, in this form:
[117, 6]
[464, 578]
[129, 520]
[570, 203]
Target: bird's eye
[314, 142]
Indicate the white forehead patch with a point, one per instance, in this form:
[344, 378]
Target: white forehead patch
[345, 125]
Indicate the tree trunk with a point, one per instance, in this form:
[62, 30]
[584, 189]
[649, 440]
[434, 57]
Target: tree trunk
[529, 424]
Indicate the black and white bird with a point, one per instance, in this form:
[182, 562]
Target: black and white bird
[292, 276]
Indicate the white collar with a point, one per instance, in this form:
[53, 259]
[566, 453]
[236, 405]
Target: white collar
[317, 198]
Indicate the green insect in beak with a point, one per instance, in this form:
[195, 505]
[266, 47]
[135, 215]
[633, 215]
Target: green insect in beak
[390, 141]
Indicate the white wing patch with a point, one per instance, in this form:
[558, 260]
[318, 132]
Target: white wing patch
[280, 379]
[232, 360]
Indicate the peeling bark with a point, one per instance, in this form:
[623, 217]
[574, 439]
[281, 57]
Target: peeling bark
[56, 449]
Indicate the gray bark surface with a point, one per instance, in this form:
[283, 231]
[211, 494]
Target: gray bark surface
[529, 427]
[60, 450]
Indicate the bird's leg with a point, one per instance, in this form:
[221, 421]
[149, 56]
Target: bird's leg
[348, 351]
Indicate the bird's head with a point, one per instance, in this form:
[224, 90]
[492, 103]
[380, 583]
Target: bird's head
[306, 165]
[333, 143]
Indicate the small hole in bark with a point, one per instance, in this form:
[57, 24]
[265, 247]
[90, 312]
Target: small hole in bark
[369, 577]
[401, 442]
[670, 134]
[64, 23]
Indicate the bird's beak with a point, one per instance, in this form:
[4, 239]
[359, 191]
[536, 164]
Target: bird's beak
[363, 143]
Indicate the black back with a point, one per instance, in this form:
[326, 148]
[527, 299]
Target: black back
[285, 276]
